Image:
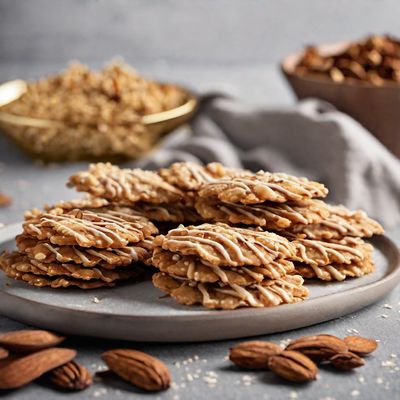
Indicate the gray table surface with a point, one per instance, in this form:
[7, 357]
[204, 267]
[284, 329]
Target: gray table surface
[201, 370]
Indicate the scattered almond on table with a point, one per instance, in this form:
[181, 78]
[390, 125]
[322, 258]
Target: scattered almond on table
[296, 363]
[27, 355]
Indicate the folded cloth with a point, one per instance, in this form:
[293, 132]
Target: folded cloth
[310, 139]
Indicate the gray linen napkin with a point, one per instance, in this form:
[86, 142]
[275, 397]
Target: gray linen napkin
[309, 139]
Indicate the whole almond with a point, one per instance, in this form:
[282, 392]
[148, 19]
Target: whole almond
[254, 354]
[138, 368]
[360, 345]
[23, 370]
[3, 353]
[293, 366]
[318, 347]
[71, 376]
[29, 340]
[347, 361]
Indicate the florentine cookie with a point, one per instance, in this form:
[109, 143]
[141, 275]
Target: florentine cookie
[6, 264]
[261, 187]
[195, 269]
[24, 264]
[268, 293]
[315, 252]
[336, 272]
[341, 222]
[275, 216]
[221, 244]
[192, 177]
[47, 252]
[125, 185]
[85, 228]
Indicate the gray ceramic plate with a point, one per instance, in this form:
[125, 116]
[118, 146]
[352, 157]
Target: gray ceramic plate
[139, 312]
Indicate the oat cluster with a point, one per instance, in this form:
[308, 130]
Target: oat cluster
[229, 238]
[99, 113]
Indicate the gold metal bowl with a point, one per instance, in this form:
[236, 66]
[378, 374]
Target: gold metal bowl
[23, 130]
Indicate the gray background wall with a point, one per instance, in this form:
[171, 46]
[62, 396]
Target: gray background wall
[208, 32]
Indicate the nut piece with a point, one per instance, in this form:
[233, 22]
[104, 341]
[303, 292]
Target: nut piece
[359, 345]
[293, 366]
[71, 376]
[24, 370]
[140, 369]
[253, 355]
[4, 200]
[29, 340]
[3, 353]
[347, 361]
[318, 347]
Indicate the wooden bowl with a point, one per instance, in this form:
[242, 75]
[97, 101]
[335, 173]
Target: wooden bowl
[22, 130]
[377, 108]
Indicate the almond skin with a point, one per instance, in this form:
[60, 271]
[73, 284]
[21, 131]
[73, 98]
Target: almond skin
[347, 361]
[29, 340]
[26, 369]
[318, 347]
[360, 345]
[253, 354]
[72, 376]
[140, 369]
[3, 353]
[293, 366]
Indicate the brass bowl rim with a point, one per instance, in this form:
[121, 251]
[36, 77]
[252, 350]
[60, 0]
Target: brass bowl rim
[150, 119]
[289, 62]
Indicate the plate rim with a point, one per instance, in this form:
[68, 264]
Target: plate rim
[393, 275]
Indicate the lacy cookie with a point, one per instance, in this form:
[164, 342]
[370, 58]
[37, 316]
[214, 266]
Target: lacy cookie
[341, 222]
[275, 216]
[111, 229]
[261, 187]
[194, 269]
[192, 177]
[6, 264]
[220, 244]
[125, 185]
[268, 293]
[47, 252]
[336, 272]
[26, 265]
[315, 252]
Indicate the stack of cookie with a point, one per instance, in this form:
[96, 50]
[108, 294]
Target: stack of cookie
[224, 267]
[328, 239]
[79, 247]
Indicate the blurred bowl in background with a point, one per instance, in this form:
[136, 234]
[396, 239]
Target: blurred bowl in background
[377, 108]
[23, 130]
